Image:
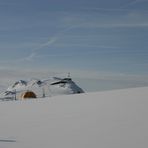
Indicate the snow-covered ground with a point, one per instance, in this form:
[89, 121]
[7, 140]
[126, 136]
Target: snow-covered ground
[110, 119]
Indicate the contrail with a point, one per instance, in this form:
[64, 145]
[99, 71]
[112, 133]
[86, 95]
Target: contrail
[134, 2]
[33, 53]
[50, 42]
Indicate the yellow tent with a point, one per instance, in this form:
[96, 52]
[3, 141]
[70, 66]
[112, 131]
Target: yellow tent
[28, 95]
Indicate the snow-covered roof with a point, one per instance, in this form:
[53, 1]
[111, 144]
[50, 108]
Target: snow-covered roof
[52, 86]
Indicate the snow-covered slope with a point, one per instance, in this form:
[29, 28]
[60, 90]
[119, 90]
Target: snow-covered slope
[113, 119]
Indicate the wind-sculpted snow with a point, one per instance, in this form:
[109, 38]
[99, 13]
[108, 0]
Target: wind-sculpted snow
[113, 119]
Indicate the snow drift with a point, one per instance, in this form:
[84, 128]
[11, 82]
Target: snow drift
[113, 119]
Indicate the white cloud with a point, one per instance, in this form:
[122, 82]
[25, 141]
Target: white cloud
[131, 18]
[105, 9]
[115, 25]
[134, 2]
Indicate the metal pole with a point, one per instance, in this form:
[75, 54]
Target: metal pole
[15, 94]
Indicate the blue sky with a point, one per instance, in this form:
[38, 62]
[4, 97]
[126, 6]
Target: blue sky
[104, 40]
